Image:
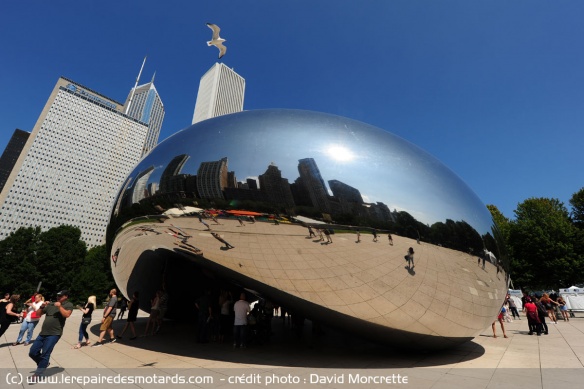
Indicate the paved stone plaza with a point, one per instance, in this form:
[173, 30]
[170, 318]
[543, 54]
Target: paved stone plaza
[520, 361]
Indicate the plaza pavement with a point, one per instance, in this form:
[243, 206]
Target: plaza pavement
[520, 361]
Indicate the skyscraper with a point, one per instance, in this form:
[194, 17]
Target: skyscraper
[221, 92]
[80, 150]
[212, 179]
[11, 154]
[314, 183]
[144, 104]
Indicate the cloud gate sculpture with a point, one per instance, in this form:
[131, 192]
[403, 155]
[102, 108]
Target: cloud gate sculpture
[316, 213]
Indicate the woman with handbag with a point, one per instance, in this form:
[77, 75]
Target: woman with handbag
[31, 319]
[87, 310]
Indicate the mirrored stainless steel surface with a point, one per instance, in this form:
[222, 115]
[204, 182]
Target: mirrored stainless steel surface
[227, 204]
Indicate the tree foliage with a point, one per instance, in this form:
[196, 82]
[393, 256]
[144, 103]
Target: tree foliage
[577, 203]
[543, 241]
[57, 257]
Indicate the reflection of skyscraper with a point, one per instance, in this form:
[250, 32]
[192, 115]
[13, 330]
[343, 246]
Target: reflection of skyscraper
[252, 183]
[139, 190]
[314, 184]
[147, 107]
[173, 169]
[75, 160]
[212, 179]
[275, 187]
[221, 92]
[11, 154]
[345, 192]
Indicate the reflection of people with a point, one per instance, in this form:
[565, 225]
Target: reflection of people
[123, 307]
[500, 320]
[132, 315]
[220, 239]
[390, 239]
[410, 256]
[327, 233]
[375, 235]
[311, 232]
[115, 256]
[51, 331]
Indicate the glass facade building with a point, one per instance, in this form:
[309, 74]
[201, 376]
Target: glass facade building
[147, 107]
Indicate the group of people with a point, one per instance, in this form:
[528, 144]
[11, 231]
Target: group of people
[56, 313]
[537, 309]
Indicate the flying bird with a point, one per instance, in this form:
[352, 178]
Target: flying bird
[216, 40]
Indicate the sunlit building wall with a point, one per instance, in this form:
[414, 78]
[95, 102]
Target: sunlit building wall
[221, 91]
[76, 159]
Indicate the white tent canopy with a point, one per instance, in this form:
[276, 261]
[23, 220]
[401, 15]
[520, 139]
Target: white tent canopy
[574, 298]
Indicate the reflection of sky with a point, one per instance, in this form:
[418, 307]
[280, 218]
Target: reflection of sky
[382, 166]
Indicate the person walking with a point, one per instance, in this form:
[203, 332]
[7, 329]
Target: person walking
[132, 316]
[500, 320]
[532, 317]
[6, 312]
[109, 313]
[87, 310]
[55, 316]
[241, 309]
[31, 319]
[513, 307]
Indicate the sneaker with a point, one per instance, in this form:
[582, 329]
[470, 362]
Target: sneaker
[97, 344]
[26, 343]
[114, 340]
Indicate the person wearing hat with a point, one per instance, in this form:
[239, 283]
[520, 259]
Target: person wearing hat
[51, 331]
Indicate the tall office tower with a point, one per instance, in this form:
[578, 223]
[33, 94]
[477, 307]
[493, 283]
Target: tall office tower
[212, 179]
[221, 91]
[80, 150]
[11, 154]
[144, 104]
[346, 192]
[139, 190]
[314, 183]
[276, 188]
[173, 169]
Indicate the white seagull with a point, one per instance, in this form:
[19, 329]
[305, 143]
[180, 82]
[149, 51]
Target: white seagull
[216, 40]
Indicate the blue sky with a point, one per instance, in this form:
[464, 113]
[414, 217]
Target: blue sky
[495, 90]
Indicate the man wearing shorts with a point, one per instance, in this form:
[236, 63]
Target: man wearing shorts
[109, 313]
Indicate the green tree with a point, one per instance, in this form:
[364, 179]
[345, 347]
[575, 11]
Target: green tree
[95, 276]
[542, 239]
[503, 223]
[577, 202]
[19, 272]
[60, 255]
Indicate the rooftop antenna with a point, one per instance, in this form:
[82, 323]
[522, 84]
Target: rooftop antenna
[154, 75]
[135, 86]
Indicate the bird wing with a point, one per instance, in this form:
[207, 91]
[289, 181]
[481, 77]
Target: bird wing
[222, 49]
[215, 29]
